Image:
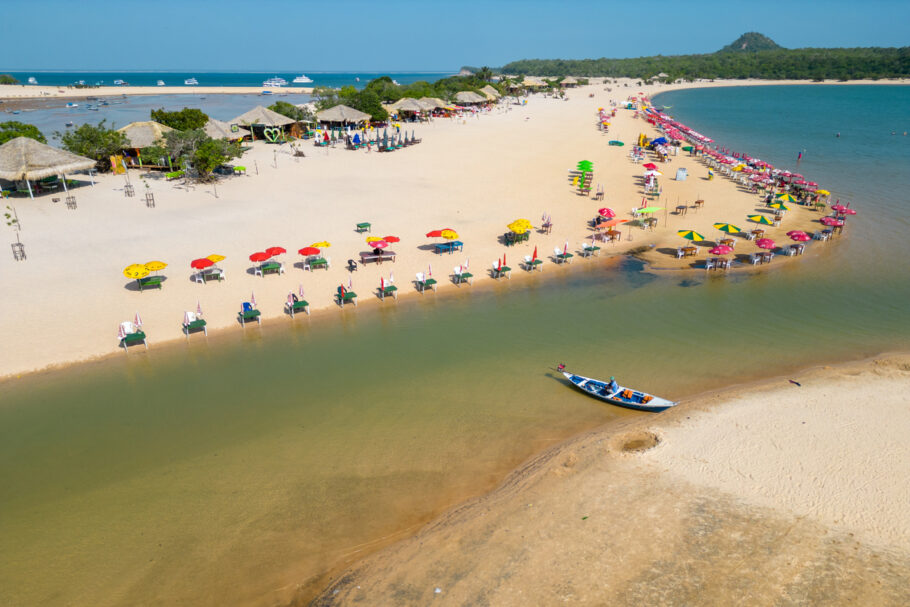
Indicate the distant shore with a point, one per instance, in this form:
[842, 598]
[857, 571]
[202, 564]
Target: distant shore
[28, 91]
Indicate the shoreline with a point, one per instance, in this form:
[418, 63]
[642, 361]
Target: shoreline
[527, 501]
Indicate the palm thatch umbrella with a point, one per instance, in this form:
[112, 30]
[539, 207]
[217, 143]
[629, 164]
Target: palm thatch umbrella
[490, 92]
[431, 103]
[262, 116]
[407, 105]
[568, 80]
[468, 97]
[343, 114]
[24, 159]
[531, 81]
[144, 134]
[222, 130]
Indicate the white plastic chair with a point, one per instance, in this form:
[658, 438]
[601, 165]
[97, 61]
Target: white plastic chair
[679, 253]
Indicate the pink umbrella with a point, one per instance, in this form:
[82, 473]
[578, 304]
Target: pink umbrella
[801, 237]
[379, 244]
[198, 308]
[848, 211]
[253, 299]
[831, 221]
[813, 184]
[721, 250]
[800, 182]
[765, 243]
[137, 321]
[839, 208]
[607, 212]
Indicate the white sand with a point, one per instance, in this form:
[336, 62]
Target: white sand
[473, 175]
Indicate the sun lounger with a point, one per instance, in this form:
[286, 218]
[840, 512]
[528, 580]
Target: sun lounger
[150, 282]
[424, 283]
[248, 313]
[299, 305]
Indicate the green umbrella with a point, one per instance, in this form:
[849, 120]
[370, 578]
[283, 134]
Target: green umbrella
[761, 219]
[726, 227]
[784, 198]
[779, 205]
[585, 165]
[650, 209]
[691, 235]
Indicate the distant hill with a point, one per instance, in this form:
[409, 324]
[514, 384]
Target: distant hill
[752, 55]
[751, 42]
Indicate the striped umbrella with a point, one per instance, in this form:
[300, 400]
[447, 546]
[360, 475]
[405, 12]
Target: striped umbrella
[726, 227]
[785, 197]
[691, 235]
[761, 219]
[779, 205]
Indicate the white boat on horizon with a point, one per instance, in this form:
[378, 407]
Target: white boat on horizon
[160, 83]
[275, 81]
[190, 81]
[72, 104]
[302, 79]
[32, 80]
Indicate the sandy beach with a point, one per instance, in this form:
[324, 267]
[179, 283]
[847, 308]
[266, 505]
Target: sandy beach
[474, 175]
[775, 493]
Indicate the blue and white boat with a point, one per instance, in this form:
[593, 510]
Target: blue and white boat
[275, 81]
[190, 82]
[72, 104]
[622, 396]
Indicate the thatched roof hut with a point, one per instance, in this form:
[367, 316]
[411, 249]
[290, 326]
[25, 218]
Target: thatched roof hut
[531, 81]
[342, 113]
[431, 103]
[144, 134]
[262, 116]
[569, 81]
[490, 92]
[24, 159]
[407, 105]
[469, 97]
[222, 130]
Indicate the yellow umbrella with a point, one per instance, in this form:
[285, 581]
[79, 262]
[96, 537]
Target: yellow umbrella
[321, 245]
[785, 198]
[215, 258]
[823, 192]
[520, 226]
[737, 168]
[154, 266]
[449, 234]
[373, 239]
[136, 270]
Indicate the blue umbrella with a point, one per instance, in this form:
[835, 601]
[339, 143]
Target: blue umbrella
[660, 141]
[356, 138]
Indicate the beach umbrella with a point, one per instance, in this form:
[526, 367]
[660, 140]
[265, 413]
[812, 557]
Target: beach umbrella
[606, 212]
[721, 250]
[272, 251]
[612, 223]
[823, 193]
[155, 266]
[198, 308]
[434, 234]
[761, 219]
[373, 239]
[848, 211]
[309, 251]
[137, 320]
[799, 236]
[300, 291]
[449, 234]
[726, 227]
[253, 299]
[520, 226]
[201, 263]
[215, 258]
[652, 173]
[136, 270]
[321, 245]
[650, 166]
[391, 239]
[785, 198]
[691, 235]
[831, 221]
[779, 205]
[379, 244]
[260, 256]
[534, 256]
[649, 209]
[765, 243]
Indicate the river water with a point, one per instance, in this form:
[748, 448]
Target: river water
[232, 470]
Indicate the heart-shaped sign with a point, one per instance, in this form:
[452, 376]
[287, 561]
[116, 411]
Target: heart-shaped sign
[271, 135]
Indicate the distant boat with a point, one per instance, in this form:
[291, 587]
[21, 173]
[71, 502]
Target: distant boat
[190, 81]
[302, 79]
[624, 397]
[275, 81]
[31, 80]
[81, 82]
[266, 93]
[70, 123]
[16, 111]
[357, 79]
[160, 83]
[119, 82]
[395, 82]
[71, 104]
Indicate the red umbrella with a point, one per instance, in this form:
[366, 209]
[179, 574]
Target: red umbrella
[309, 251]
[839, 208]
[272, 251]
[607, 212]
[848, 211]
[765, 243]
[650, 166]
[812, 183]
[202, 263]
[831, 221]
[391, 239]
[534, 256]
[721, 250]
[434, 234]
[379, 244]
[800, 236]
[260, 256]
[794, 232]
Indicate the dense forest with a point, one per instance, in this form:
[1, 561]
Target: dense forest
[750, 56]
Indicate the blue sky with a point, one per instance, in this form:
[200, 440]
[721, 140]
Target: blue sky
[411, 35]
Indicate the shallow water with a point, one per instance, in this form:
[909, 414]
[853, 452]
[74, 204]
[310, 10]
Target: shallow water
[231, 470]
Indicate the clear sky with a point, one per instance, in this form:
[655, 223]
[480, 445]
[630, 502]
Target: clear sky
[412, 35]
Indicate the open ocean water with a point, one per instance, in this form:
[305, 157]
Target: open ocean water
[231, 470]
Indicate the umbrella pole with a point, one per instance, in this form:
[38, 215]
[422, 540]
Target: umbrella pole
[64, 183]
[29, 186]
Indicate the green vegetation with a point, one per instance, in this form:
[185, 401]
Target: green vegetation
[292, 111]
[751, 56]
[96, 142]
[186, 119]
[384, 90]
[7, 79]
[196, 148]
[12, 129]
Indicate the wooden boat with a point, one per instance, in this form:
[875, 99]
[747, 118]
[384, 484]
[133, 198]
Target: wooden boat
[624, 397]
[616, 142]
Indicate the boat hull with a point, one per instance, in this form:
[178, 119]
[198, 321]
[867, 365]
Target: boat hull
[599, 390]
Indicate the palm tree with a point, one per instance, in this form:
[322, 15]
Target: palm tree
[484, 73]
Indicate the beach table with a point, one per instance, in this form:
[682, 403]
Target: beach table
[727, 241]
[196, 325]
[531, 265]
[682, 209]
[460, 277]
[500, 271]
[689, 251]
[248, 313]
[348, 297]
[364, 226]
[134, 338]
[423, 282]
[758, 233]
[316, 262]
[270, 267]
[149, 282]
[699, 204]
[368, 256]
[767, 256]
[588, 249]
[388, 290]
[301, 305]
[212, 274]
[449, 247]
[563, 257]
